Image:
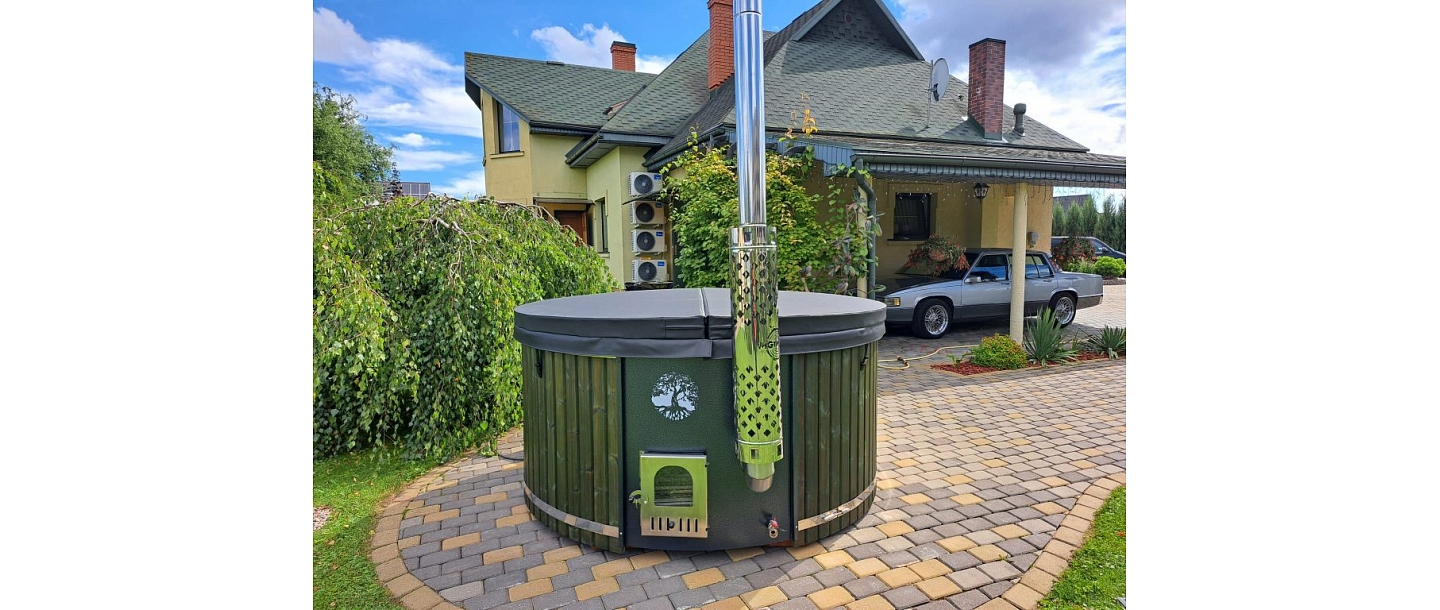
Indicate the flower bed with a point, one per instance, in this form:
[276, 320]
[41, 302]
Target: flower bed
[969, 368]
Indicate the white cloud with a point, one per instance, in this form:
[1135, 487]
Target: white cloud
[591, 47]
[467, 186]
[413, 140]
[430, 159]
[395, 82]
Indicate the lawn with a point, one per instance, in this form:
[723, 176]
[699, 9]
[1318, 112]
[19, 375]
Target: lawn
[1096, 575]
[351, 486]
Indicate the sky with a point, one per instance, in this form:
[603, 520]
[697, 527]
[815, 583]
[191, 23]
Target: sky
[404, 62]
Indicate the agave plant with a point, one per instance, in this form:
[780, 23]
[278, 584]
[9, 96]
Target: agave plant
[1046, 342]
[1110, 341]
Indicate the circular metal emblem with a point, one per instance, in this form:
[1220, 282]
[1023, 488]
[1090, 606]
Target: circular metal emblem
[646, 240]
[674, 396]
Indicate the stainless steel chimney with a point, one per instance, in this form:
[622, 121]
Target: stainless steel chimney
[754, 292]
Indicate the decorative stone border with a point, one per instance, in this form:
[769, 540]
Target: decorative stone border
[385, 548]
[1036, 583]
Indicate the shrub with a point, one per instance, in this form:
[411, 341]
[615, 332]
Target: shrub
[1045, 341]
[1072, 248]
[1079, 266]
[1110, 267]
[935, 256]
[1110, 341]
[998, 351]
[414, 315]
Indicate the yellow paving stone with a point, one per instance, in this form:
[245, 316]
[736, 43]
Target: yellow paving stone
[443, 515]
[898, 577]
[1054, 481]
[406, 543]
[980, 441]
[972, 429]
[906, 463]
[1063, 426]
[930, 568]
[883, 437]
[527, 590]
[869, 566]
[1039, 580]
[1020, 441]
[729, 603]
[995, 463]
[1119, 477]
[1015, 415]
[874, 602]
[512, 520]
[998, 603]
[424, 510]
[888, 484]
[743, 554]
[831, 597]
[515, 466]
[614, 567]
[761, 598]
[703, 578]
[423, 598]
[390, 570]
[967, 499]
[403, 584]
[1092, 452]
[1010, 530]
[459, 541]
[563, 553]
[938, 587]
[913, 499]
[546, 570]
[596, 588]
[1051, 564]
[807, 551]
[646, 560]
[1084, 464]
[958, 479]
[1022, 596]
[955, 544]
[895, 528]
[381, 554]
[1069, 536]
[833, 559]
[502, 555]
[495, 497]
[515, 510]
[987, 552]
[1049, 508]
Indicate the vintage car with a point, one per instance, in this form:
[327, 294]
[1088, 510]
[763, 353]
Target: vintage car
[928, 304]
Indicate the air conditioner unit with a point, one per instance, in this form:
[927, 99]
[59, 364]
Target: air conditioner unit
[647, 241]
[647, 213]
[644, 183]
[650, 271]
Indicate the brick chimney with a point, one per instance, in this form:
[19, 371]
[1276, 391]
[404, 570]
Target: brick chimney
[987, 86]
[722, 41]
[622, 56]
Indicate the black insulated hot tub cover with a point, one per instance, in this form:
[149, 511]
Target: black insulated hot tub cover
[689, 323]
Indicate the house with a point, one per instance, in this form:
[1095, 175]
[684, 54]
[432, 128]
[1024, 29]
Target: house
[569, 137]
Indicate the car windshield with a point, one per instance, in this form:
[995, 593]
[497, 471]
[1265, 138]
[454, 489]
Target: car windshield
[948, 274]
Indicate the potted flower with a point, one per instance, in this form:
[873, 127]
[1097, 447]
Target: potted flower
[935, 256]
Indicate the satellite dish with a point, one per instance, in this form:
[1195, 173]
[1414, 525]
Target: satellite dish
[939, 77]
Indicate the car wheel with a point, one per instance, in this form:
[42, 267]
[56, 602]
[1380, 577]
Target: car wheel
[1064, 307]
[932, 319]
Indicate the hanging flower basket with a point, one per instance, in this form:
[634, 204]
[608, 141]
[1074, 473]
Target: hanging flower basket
[936, 256]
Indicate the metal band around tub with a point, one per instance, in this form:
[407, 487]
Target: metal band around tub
[834, 513]
[571, 520]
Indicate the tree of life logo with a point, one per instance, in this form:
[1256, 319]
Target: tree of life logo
[674, 396]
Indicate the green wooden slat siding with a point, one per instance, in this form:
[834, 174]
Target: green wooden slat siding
[833, 411]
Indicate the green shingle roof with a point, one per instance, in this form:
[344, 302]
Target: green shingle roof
[551, 93]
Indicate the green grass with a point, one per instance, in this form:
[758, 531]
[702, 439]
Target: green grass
[351, 485]
[1096, 575]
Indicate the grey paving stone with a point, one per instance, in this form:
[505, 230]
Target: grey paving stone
[959, 561]
[693, 598]
[938, 604]
[524, 562]
[1001, 518]
[1026, 512]
[489, 599]
[975, 525]
[1000, 570]
[929, 550]
[635, 578]
[437, 558]
[675, 567]
[971, 578]
[624, 597]
[772, 558]
[662, 603]
[479, 573]
[948, 530]
[1015, 546]
[1054, 520]
[664, 586]
[518, 539]
[803, 603]
[540, 546]
[972, 511]
[765, 578]
[476, 527]
[443, 581]
[730, 588]
[585, 562]
[991, 494]
[803, 568]
[899, 558]
[866, 551]
[554, 599]
[419, 550]
[996, 506]
[865, 587]
[905, 597]
[463, 592]
[835, 576]
[504, 581]
[892, 545]
[801, 586]
[739, 568]
[969, 600]
[426, 572]
[411, 522]
[996, 589]
[1038, 540]
[710, 560]
[523, 604]
[417, 530]
[1023, 562]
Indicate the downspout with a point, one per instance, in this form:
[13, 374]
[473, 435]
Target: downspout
[754, 289]
[864, 182]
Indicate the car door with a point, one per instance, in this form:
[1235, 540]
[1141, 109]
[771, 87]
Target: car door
[986, 292]
[1039, 282]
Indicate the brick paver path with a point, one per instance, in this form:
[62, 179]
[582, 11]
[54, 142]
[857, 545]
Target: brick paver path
[977, 478]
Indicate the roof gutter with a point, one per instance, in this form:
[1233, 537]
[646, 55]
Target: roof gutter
[985, 162]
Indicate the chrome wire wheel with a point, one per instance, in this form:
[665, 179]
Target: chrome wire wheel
[1064, 308]
[932, 319]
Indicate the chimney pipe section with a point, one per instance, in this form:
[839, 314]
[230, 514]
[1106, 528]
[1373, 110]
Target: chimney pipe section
[754, 292]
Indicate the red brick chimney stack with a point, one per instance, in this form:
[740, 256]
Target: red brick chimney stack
[622, 56]
[987, 85]
[722, 41]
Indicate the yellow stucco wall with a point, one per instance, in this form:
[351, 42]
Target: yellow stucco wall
[998, 223]
[508, 176]
[552, 177]
[608, 178]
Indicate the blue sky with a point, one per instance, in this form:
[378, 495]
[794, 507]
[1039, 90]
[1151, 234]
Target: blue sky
[403, 62]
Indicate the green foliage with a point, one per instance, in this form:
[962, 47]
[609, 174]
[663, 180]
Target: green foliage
[1079, 266]
[1096, 575]
[1081, 218]
[342, 146]
[1045, 342]
[998, 351]
[1110, 341]
[413, 315]
[811, 255]
[1072, 249]
[1057, 221]
[935, 256]
[1109, 267]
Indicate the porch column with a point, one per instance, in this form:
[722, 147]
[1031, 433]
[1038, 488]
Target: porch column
[1017, 263]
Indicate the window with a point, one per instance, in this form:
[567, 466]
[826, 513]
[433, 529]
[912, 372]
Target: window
[990, 268]
[1035, 267]
[912, 216]
[604, 226]
[508, 126]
